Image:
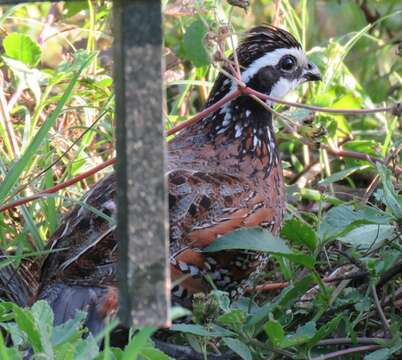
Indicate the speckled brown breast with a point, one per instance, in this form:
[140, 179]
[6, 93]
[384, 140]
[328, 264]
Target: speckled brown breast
[211, 193]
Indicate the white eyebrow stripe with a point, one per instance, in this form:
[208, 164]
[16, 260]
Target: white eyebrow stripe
[271, 59]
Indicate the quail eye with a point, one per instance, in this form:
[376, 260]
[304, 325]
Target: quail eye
[288, 63]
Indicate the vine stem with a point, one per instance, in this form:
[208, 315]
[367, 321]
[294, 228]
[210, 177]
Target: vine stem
[387, 327]
[337, 354]
[394, 108]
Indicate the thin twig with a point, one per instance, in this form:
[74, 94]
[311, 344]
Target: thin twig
[377, 303]
[357, 275]
[338, 354]
[250, 91]
[356, 341]
[51, 16]
[58, 187]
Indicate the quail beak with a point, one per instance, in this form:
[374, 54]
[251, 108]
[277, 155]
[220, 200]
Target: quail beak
[312, 73]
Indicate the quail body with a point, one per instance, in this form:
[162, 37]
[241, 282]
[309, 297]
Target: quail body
[223, 173]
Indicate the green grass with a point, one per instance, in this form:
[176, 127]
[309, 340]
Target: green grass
[62, 121]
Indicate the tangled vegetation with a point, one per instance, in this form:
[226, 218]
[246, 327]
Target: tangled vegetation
[333, 286]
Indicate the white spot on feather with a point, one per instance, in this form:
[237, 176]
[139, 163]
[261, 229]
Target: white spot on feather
[226, 119]
[239, 130]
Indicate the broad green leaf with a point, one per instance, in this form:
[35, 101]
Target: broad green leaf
[8, 353]
[222, 299]
[43, 316]
[26, 323]
[325, 330]
[364, 146]
[340, 175]
[390, 196]
[201, 331]
[299, 233]
[275, 332]
[238, 347]
[17, 335]
[193, 43]
[286, 298]
[177, 312]
[151, 353]
[21, 47]
[258, 239]
[69, 329]
[302, 335]
[234, 319]
[382, 354]
[341, 219]
[86, 348]
[72, 8]
[369, 236]
[138, 343]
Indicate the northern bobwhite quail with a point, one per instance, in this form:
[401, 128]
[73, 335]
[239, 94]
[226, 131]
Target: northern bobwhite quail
[224, 173]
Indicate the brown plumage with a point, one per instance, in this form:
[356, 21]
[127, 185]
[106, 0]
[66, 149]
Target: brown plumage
[223, 173]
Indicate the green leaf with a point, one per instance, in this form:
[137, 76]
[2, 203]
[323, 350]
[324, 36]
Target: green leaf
[17, 335]
[26, 323]
[369, 236]
[8, 353]
[86, 348]
[325, 330]
[193, 44]
[364, 146]
[287, 296]
[302, 335]
[21, 47]
[275, 332]
[382, 354]
[340, 175]
[258, 239]
[151, 353]
[299, 233]
[138, 342]
[43, 316]
[69, 329]
[72, 8]
[177, 312]
[238, 347]
[199, 330]
[339, 220]
[390, 196]
[234, 319]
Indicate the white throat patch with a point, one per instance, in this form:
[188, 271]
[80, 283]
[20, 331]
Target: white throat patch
[283, 87]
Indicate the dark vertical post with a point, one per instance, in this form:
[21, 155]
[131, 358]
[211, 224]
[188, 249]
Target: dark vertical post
[142, 203]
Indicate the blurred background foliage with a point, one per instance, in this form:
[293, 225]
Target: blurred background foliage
[57, 121]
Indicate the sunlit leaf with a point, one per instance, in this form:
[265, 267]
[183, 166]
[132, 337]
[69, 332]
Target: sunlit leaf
[194, 49]
[21, 47]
